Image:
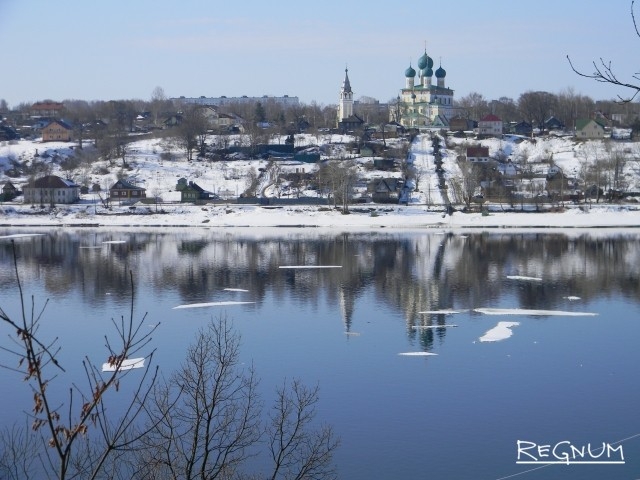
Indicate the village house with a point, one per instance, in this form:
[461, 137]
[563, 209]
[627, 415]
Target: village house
[478, 154]
[587, 128]
[521, 128]
[47, 109]
[552, 123]
[490, 125]
[216, 119]
[390, 190]
[461, 124]
[57, 131]
[51, 189]
[9, 192]
[193, 193]
[123, 190]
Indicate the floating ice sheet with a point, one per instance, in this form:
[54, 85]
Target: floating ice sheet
[444, 311]
[210, 304]
[310, 266]
[115, 241]
[21, 235]
[501, 331]
[541, 313]
[235, 290]
[523, 278]
[127, 364]
[571, 298]
[446, 325]
[417, 354]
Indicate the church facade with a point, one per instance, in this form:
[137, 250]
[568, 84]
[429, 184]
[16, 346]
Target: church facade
[423, 103]
[347, 120]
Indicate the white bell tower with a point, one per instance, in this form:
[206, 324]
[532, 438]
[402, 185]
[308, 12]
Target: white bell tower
[345, 106]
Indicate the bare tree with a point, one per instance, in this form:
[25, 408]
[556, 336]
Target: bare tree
[463, 189]
[474, 105]
[207, 414]
[207, 419]
[298, 451]
[19, 447]
[340, 176]
[77, 436]
[604, 72]
[193, 129]
[158, 104]
[537, 107]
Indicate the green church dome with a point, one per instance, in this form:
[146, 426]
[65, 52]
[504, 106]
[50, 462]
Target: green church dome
[441, 73]
[410, 72]
[423, 61]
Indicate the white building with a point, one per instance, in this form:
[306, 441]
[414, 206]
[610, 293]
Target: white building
[346, 119]
[285, 101]
[345, 104]
[490, 125]
[422, 104]
[51, 189]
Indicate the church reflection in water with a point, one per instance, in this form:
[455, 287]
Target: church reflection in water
[410, 272]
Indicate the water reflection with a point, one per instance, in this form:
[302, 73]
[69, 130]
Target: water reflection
[408, 272]
[553, 379]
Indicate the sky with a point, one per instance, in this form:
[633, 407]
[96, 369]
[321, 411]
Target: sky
[121, 49]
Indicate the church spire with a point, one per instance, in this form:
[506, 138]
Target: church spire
[345, 107]
[346, 85]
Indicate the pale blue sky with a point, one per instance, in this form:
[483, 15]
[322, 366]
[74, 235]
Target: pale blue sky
[122, 49]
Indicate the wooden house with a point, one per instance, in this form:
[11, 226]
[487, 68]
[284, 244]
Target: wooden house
[9, 192]
[57, 131]
[194, 193]
[123, 190]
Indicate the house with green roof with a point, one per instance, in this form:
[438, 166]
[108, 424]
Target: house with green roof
[588, 128]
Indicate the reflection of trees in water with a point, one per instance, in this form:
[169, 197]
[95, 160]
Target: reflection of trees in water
[410, 273]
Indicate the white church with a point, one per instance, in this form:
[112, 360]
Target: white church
[421, 103]
[347, 120]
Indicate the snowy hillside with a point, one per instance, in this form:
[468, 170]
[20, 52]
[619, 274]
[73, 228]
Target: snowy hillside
[157, 164]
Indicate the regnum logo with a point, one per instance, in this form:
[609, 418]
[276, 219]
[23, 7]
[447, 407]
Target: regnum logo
[565, 452]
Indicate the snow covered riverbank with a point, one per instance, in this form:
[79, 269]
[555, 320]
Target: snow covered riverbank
[362, 216]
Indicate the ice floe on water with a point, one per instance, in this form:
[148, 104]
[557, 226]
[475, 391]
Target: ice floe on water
[127, 364]
[572, 298]
[114, 241]
[445, 311]
[210, 304]
[21, 235]
[309, 266]
[417, 354]
[235, 290]
[501, 331]
[523, 278]
[446, 325]
[541, 313]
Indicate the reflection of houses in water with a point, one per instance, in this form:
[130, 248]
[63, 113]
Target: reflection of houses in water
[406, 273]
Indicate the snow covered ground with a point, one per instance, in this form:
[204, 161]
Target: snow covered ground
[149, 166]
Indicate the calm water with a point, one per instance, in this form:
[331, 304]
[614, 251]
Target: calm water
[457, 415]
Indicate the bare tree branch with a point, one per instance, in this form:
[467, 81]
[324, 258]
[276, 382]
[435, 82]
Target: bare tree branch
[603, 70]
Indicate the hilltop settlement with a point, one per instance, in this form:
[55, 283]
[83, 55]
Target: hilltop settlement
[422, 158]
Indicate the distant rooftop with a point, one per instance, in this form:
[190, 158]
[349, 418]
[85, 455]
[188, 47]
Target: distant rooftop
[285, 100]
